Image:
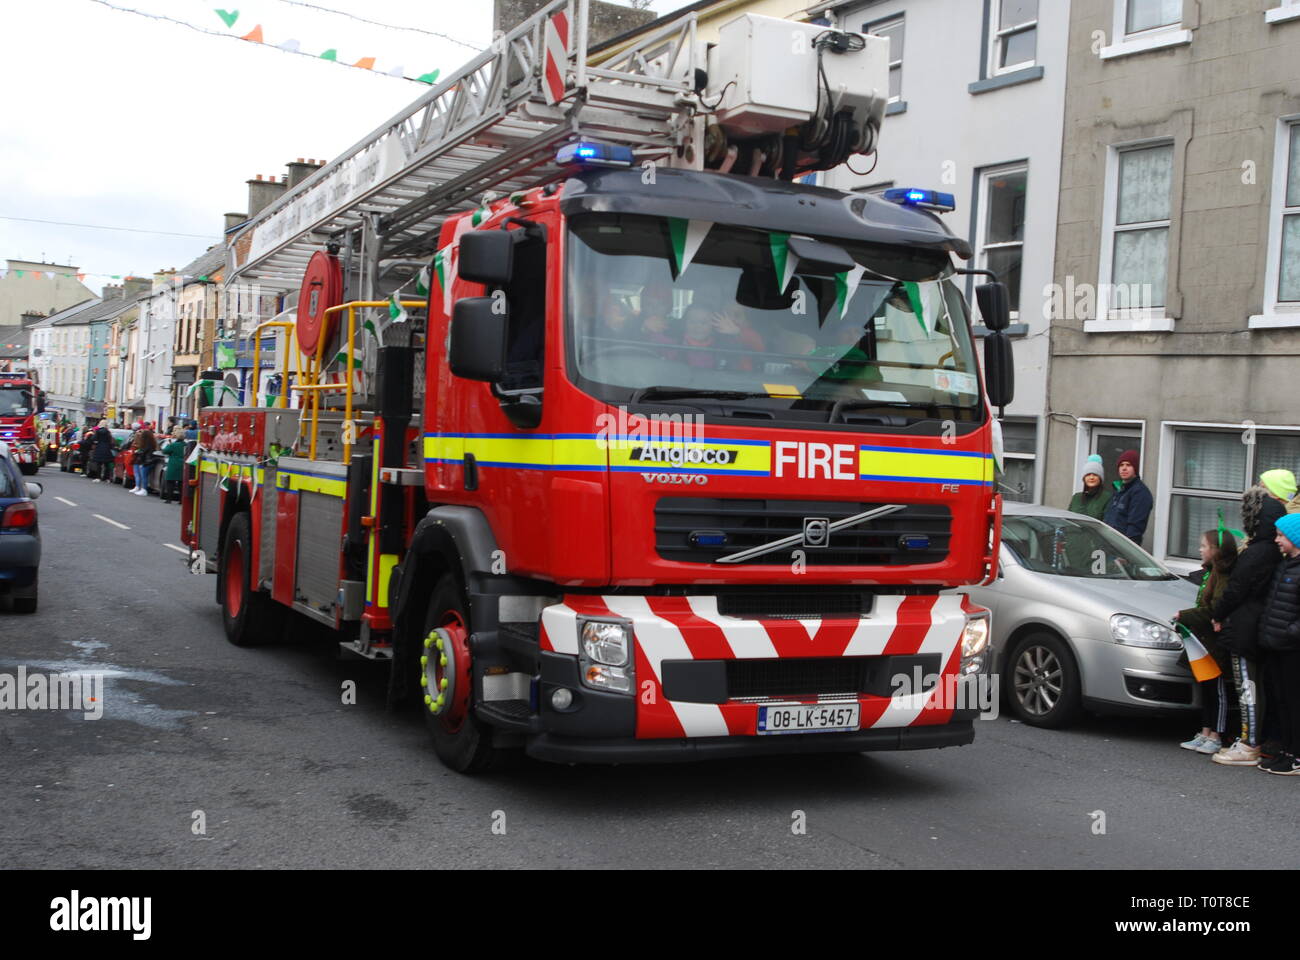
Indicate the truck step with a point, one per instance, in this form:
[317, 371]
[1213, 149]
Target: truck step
[370, 651]
[506, 714]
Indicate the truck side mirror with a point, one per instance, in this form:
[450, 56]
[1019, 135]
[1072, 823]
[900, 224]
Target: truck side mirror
[999, 369]
[478, 339]
[487, 257]
[995, 305]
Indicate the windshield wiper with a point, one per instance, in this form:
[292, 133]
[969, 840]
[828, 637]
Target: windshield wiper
[838, 408]
[687, 393]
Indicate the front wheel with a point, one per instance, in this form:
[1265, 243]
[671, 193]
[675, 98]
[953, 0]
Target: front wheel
[1042, 677]
[28, 469]
[446, 684]
[249, 617]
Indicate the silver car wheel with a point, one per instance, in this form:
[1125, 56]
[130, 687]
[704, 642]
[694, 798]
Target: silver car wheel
[1038, 680]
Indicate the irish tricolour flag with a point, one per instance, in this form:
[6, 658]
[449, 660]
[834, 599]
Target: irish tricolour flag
[1202, 664]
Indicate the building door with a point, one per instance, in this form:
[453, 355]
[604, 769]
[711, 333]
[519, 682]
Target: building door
[1111, 441]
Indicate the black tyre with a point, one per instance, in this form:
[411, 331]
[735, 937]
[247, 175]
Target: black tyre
[249, 616]
[24, 600]
[461, 742]
[28, 469]
[1041, 677]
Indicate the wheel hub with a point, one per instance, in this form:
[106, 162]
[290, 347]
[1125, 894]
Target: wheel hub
[445, 673]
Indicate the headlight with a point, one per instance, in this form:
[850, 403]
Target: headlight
[1139, 632]
[975, 637]
[606, 642]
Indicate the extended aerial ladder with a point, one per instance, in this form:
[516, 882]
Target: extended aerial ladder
[494, 125]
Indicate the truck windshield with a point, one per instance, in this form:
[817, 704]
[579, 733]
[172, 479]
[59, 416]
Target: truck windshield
[649, 321]
[14, 402]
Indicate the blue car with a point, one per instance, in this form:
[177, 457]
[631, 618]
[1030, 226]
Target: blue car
[20, 535]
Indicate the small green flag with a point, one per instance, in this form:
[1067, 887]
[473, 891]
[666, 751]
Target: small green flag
[422, 282]
[396, 312]
[918, 308]
[429, 77]
[481, 214]
[342, 360]
[229, 16]
[440, 267]
[686, 236]
[782, 259]
[330, 54]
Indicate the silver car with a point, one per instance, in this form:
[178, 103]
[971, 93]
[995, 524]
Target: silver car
[1081, 620]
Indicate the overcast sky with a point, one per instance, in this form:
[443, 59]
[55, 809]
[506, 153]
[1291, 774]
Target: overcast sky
[115, 119]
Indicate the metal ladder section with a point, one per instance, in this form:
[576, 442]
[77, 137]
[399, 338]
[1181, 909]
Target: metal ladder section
[490, 126]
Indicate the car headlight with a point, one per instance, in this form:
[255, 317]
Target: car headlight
[1139, 632]
[606, 642]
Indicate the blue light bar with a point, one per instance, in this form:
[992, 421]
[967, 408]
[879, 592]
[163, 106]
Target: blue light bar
[587, 154]
[915, 197]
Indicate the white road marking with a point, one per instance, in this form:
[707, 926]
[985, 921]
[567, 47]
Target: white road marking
[172, 546]
[68, 502]
[122, 526]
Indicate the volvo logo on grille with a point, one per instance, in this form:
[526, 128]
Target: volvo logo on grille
[816, 532]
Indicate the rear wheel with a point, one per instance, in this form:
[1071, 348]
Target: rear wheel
[1042, 678]
[250, 617]
[446, 681]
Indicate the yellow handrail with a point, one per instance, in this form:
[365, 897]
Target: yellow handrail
[318, 365]
[292, 339]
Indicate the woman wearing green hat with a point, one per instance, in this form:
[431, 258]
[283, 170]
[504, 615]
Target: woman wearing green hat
[1093, 499]
[1281, 485]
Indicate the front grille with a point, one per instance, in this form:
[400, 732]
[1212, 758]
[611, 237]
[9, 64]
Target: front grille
[917, 534]
[796, 678]
[778, 604]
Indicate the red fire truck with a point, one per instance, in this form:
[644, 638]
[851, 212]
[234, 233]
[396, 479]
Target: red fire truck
[620, 444]
[20, 401]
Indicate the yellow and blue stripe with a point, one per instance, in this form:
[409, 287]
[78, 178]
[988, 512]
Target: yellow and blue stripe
[743, 458]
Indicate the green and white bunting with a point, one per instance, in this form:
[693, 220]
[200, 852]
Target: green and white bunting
[422, 282]
[687, 237]
[396, 312]
[846, 285]
[918, 307]
[784, 260]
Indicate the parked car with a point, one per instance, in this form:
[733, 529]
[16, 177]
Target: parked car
[71, 457]
[1082, 620]
[123, 469]
[20, 535]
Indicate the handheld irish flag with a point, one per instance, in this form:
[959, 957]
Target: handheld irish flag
[1202, 664]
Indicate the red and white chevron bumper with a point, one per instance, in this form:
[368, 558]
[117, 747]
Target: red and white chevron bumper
[691, 628]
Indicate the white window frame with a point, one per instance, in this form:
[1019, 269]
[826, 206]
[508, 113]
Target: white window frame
[1035, 491]
[998, 32]
[1277, 313]
[1124, 44]
[981, 219]
[1129, 319]
[1164, 490]
[1286, 10]
[871, 26]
